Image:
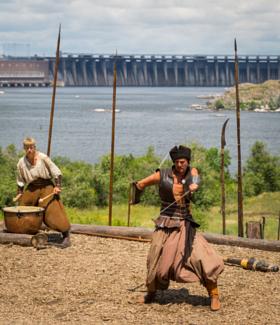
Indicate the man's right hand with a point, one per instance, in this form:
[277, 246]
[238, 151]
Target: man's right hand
[135, 193]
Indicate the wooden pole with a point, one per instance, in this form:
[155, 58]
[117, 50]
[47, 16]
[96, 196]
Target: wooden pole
[129, 205]
[222, 177]
[139, 233]
[54, 92]
[112, 145]
[278, 235]
[263, 227]
[144, 234]
[17, 239]
[239, 174]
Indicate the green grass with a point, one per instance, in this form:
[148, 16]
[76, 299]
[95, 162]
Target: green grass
[252, 209]
[140, 216]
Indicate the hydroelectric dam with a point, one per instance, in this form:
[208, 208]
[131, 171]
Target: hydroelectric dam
[96, 70]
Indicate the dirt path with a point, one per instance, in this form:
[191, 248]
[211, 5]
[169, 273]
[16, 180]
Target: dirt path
[91, 282]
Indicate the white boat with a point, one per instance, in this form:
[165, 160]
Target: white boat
[206, 96]
[261, 110]
[220, 115]
[196, 107]
[209, 96]
[2, 92]
[101, 110]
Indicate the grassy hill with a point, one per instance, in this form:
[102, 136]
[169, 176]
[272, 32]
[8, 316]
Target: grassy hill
[252, 96]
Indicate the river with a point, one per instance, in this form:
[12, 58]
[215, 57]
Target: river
[158, 117]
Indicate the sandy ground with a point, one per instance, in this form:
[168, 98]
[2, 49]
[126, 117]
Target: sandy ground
[92, 282]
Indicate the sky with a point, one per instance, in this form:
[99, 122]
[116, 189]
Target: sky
[29, 27]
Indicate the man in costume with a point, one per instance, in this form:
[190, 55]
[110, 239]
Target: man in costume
[42, 177]
[177, 252]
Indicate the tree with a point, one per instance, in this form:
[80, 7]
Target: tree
[272, 104]
[278, 102]
[8, 161]
[262, 171]
[252, 105]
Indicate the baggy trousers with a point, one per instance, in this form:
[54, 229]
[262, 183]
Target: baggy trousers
[164, 262]
[55, 216]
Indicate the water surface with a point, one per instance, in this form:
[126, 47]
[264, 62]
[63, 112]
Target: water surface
[158, 117]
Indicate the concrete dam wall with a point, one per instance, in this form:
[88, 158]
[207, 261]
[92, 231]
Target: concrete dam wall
[156, 70]
[160, 71]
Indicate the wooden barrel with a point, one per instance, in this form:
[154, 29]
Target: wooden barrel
[23, 219]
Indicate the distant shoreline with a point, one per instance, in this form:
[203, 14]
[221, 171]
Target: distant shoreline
[261, 98]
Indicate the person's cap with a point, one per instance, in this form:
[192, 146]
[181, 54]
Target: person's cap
[180, 152]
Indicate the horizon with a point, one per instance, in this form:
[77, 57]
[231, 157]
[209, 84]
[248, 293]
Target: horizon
[141, 26]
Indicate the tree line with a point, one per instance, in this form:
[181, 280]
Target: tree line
[87, 185]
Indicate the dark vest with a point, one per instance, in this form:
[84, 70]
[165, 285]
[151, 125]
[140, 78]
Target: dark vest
[168, 205]
[166, 184]
[170, 210]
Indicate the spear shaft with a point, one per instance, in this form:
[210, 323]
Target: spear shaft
[222, 176]
[54, 92]
[112, 144]
[129, 204]
[239, 174]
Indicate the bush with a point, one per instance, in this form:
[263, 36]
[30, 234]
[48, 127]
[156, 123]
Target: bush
[252, 105]
[272, 104]
[207, 161]
[86, 185]
[219, 104]
[77, 182]
[8, 187]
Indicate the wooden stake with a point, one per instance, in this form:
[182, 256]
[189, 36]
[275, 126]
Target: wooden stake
[223, 198]
[239, 174]
[129, 205]
[112, 145]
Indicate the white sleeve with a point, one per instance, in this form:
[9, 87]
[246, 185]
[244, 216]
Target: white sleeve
[20, 180]
[51, 166]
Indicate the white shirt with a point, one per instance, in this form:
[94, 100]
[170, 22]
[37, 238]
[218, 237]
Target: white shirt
[44, 168]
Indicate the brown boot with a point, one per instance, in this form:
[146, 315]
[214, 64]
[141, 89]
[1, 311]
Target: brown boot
[214, 295]
[215, 303]
[148, 298]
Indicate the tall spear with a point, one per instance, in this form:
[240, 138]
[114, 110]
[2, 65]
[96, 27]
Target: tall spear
[239, 175]
[222, 176]
[54, 92]
[112, 144]
[129, 204]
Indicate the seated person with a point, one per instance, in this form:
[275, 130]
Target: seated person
[41, 177]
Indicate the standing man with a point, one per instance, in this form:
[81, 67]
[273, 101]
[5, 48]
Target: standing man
[42, 177]
[177, 252]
